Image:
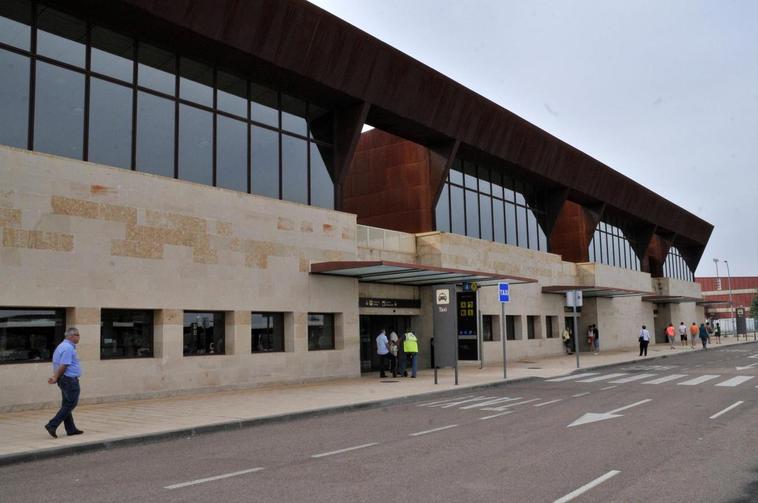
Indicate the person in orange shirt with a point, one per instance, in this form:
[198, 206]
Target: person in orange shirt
[670, 335]
[694, 331]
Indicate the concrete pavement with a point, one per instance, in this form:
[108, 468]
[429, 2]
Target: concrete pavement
[108, 425]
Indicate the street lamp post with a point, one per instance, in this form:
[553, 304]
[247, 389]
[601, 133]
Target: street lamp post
[731, 305]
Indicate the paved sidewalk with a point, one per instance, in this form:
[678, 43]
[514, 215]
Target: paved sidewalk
[112, 424]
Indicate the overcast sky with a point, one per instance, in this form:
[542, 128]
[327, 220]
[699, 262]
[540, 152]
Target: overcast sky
[664, 91]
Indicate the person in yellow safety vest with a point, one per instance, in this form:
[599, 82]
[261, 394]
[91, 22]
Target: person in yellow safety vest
[410, 350]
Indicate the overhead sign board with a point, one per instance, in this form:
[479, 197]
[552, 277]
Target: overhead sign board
[504, 291]
[574, 298]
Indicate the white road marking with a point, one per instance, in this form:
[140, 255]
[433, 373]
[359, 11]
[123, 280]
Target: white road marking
[580, 394]
[576, 376]
[747, 366]
[607, 388]
[509, 405]
[593, 417]
[603, 377]
[346, 449]
[664, 379]
[436, 402]
[587, 487]
[736, 404]
[211, 479]
[419, 433]
[548, 403]
[753, 356]
[632, 378]
[490, 402]
[735, 381]
[698, 380]
[461, 402]
[497, 415]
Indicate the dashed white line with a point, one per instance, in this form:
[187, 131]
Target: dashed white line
[548, 403]
[580, 394]
[419, 433]
[608, 387]
[491, 402]
[497, 415]
[736, 404]
[632, 378]
[211, 479]
[588, 486]
[346, 449]
[509, 405]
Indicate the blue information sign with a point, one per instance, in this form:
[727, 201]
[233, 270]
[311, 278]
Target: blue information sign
[504, 289]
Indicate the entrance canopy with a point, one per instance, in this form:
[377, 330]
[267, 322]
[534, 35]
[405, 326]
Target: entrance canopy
[594, 291]
[399, 273]
[670, 299]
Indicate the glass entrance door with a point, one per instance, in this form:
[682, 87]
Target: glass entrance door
[370, 326]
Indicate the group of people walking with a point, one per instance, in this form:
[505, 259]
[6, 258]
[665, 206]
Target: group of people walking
[593, 339]
[396, 354]
[705, 331]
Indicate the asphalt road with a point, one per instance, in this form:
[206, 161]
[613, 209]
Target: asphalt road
[680, 429]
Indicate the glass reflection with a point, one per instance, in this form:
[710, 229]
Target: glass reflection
[58, 111]
[195, 145]
[264, 105]
[28, 335]
[110, 123]
[231, 94]
[195, 82]
[442, 211]
[155, 135]
[156, 69]
[457, 213]
[231, 154]
[61, 37]
[265, 149]
[112, 54]
[15, 21]
[293, 115]
[14, 99]
[322, 187]
[294, 169]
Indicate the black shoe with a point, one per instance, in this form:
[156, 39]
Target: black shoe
[51, 431]
[382, 376]
[413, 377]
[75, 432]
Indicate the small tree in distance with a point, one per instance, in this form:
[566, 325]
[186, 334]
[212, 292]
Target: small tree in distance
[754, 310]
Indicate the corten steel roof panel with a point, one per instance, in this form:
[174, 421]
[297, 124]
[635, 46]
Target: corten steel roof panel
[319, 53]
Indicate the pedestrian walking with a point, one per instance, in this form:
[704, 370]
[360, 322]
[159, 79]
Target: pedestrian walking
[66, 374]
[410, 347]
[693, 333]
[682, 334]
[393, 353]
[596, 338]
[709, 330]
[567, 340]
[704, 335]
[717, 333]
[383, 351]
[644, 340]
[591, 336]
[670, 335]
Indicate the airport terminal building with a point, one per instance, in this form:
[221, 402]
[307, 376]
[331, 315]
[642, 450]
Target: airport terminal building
[190, 184]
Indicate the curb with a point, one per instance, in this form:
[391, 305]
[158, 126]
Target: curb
[55, 452]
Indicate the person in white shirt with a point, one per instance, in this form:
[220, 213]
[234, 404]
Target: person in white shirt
[644, 340]
[393, 352]
[682, 334]
[382, 349]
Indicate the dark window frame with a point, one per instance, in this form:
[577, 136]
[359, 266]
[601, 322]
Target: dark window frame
[58, 335]
[272, 316]
[333, 336]
[150, 326]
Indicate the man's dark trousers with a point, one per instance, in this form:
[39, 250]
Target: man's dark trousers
[70, 392]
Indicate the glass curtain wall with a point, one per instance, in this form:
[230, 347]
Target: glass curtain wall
[71, 88]
[675, 267]
[610, 246]
[481, 202]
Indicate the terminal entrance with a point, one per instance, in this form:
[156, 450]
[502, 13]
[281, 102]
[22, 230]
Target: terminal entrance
[370, 326]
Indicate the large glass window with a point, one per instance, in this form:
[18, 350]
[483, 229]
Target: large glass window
[267, 332]
[29, 335]
[126, 333]
[676, 267]
[59, 111]
[110, 123]
[124, 102]
[478, 201]
[320, 331]
[610, 246]
[203, 333]
[14, 98]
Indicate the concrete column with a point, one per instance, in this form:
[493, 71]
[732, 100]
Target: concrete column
[168, 338]
[237, 332]
[300, 331]
[87, 320]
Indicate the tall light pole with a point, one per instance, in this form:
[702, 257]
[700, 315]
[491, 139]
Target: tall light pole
[718, 278]
[731, 305]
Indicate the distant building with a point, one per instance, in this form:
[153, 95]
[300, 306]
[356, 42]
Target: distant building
[189, 185]
[716, 294]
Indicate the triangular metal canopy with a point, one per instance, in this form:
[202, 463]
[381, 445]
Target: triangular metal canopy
[400, 273]
[594, 291]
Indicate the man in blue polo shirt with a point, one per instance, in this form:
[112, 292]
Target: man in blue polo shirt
[66, 373]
